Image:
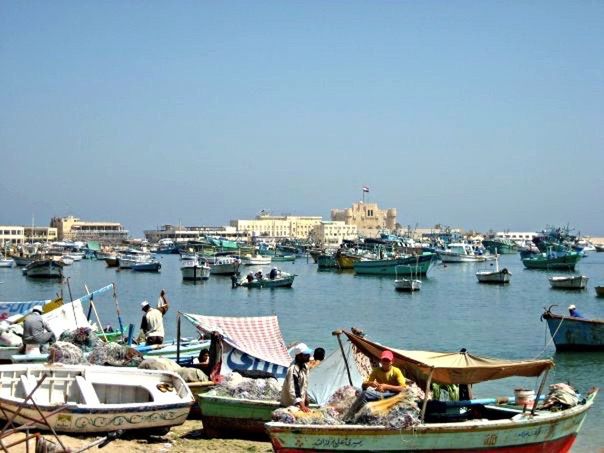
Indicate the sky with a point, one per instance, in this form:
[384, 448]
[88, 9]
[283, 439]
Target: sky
[480, 115]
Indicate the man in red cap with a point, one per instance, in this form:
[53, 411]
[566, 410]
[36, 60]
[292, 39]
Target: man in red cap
[383, 382]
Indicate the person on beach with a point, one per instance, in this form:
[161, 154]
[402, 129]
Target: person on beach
[295, 387]
[572, 310]
[204, 362]
[152, 324]
[36, 330]
[384, 381]
[162, 302]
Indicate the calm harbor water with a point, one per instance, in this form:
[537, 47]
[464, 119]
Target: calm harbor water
[450, 312]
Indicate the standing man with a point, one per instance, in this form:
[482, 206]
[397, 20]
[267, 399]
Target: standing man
[37, 331]
[162, 302]
[152, 324]
[295, 386]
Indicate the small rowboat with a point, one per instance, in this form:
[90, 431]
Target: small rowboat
[284, 280]
[571, 282]
[94, 399]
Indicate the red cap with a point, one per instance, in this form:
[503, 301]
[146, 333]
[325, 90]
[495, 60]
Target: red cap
[387, 355]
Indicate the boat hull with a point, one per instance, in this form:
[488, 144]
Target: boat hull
[497, 278]
[147, 267]
[44, 269]
[575, 334]
[414, 265]
[407, 285]
[222, 415]
[600, 291]
[327, 262]
[548, 431]
[282, 282]
[192, 273]
[560, 263]
[346, 261]
[225, 269]
[576, 282]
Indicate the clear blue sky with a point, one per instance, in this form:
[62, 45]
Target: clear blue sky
[482, 115]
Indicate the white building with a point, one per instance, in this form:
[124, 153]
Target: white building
[518, 236]
[332, 233]
[11, 235]
[191, 233]
[73, 229]
[295, 227]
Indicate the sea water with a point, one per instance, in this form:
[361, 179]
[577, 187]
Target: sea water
[452, 311]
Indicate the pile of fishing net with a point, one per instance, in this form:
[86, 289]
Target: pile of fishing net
[114, 354]
[396, 412]
[162, 363]
[82, 337]
[237, 386]
[64, 352]
[321, 416]
[561, 396]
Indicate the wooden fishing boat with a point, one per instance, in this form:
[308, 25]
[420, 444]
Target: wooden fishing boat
[147, 266]
[575, 334]
[44, 269]
[407, 284]
[346, 260]
[560, 262]
[283, 258]
[194, 270]
[460, 253]
[500, 246]
[498, 276]
[486, 427]
[225, 265]
[600, 291]
[255, 260]
[283, 280]
[408, 265]
[570, 282]
[112, 261]
[220, 414]
[326, 261]
[91, 399]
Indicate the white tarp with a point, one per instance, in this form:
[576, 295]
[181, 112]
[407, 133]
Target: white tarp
[331, 374]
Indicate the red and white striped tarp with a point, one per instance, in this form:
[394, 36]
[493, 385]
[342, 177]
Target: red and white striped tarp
[256, 336]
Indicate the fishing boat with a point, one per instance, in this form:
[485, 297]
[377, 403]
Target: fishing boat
[346, 260]
[225, 265]
[46, 268]
[575, 334]
[599, 247]
[486, 427]
[460, 253]
[496, 277]
[194, 270]
[600, 291]
[21, 261]
[500, 245]
[560, 261]
[326, 261]
[407, 284]
[255, 260]
[282, 280]
[6, 262]
[570, 282]
[283, 258]
[406, 265]
[147, 266]
[132, 257]
[92, 399]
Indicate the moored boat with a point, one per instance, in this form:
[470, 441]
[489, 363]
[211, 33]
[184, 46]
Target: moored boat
[194, 270]
[326, 261]
[6, 262]
[500, 245]
[47, 268]
[575, 334]
[147, 266]
[94, 398]
[565, 261]
[255, 260]
[408, 265]
[225, 265]
[570, 282]
[498, 276]
[407, 284]
[282, 280]
[460, 253]
[481, 426]
[599, 291]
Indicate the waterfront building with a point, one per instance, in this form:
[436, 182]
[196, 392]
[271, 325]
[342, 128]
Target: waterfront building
[519, 237]
[40, 234]
[332, 233]
[181, 234]
[286, 226]
[369, 219]
[11, 235]
[71, 228]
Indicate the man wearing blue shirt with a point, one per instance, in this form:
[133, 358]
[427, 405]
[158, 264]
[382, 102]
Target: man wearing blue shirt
[574, 312]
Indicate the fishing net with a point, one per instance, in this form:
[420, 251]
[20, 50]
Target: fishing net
[162, 363]
[11, 334]
[236, 386]
[82, 337]
[396, 412]
[322, 416]
[561, 396]
[64, 352]
[113, 354]
[342, 399]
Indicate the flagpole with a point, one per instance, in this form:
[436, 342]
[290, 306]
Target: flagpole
[363, 190]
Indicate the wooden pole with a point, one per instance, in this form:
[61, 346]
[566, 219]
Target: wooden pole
[425, 403]
[539, 392]
[337, 333]
[178, 337]
[96, 314]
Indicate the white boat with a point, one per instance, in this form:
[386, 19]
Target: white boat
[225, 265]
[498, 276]
[569, 282]
[407, 284]
[6, 262]
[256, 260]
[194, 270]
[131, 257]
[66, 260]
[460, 253]
[44, 269]
[95, 399]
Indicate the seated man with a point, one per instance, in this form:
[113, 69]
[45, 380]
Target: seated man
[383, 382]
[37, 331]
[572, 310]
[274, 273]
[204, 362]
[295, 385]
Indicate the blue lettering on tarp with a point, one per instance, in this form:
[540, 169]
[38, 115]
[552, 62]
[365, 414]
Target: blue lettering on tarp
[237, 360]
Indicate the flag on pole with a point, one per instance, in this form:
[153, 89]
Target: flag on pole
[365, 189]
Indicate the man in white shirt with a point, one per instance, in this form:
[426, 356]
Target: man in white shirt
[294, 390]
[152, 324]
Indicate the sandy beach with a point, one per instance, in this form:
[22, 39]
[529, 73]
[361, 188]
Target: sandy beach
[185, 438]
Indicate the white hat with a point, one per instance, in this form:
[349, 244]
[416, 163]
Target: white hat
[37, 308]
[144, 304]
[571, 307]
[301, 348]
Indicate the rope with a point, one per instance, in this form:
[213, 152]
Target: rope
[551, 339]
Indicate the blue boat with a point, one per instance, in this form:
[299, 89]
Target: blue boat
[408, 265]
[147, 266]
[575, 334]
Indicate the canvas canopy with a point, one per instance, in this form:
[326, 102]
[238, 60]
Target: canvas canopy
[259, 337]
[451, 367]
